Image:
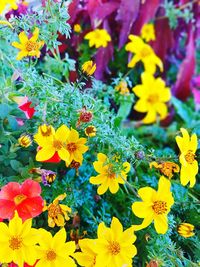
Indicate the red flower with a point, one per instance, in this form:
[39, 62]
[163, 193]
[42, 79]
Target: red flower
[25, 105]
[12, 264]
[24, 198]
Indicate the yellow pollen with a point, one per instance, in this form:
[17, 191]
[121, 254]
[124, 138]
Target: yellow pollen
[159, 207]
[54, 210]
[31, 46]
[15, 242]
[71, 147]
[114, 248]
[145, 52]
[19, 198]
[190, 157]
[57, 144]
[153, 98]
[51, 255]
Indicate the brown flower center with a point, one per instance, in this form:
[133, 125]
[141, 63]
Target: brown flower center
[110, 172]
[168, 168]
[57, 144]
[153, 98]
[90, 130]
[31, 46]
[190, 157]
[45, 130]
[54, 210]
[19, 198]
[71, 147]
[114, 247]
[159, 207]
[51, 255]
[15, 242]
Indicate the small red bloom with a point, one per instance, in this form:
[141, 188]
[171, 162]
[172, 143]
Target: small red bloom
[12, 264]
[28, 110]
[24, 198]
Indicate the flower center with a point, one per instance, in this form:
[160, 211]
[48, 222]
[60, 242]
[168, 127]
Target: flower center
[159, 207]
[90, 130]
[190, 157]
[114, 248]
[15, 242]
[110, 172]
[153, 98]
[19, 198]
[168, 168]
[57, 144]
[145, 52]
[45, 130]
[54, 210]
[51, 255]
[71, 147]
[31, 46]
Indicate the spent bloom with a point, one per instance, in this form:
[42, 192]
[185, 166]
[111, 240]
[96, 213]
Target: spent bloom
[24, 198]
[28, 46]
[17, 242]
[153, 96]
[143, 52]
[122, 88]
[54, 251]
[25, 140]
[148, 32]
[98, 38]
[85, 116]
[90, 131]
[108, 177]
[166, 168]
[10, 3]
[57, 213]
[155, 206]
[89, 67]
[114, 247]
[186, 230]
[189, 165]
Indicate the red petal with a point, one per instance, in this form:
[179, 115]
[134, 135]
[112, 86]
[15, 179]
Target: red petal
[54, 159]
[29, 111]
[30, 207]
[10, 191]
[30, 188]
[7, 208]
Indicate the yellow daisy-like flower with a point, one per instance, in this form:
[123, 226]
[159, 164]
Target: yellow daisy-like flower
[89, 67]
[18, 242]
[148, 32]
[54, 251]
[108, 178]
[122, 88]
[98, 38]
[186, 230]
[143, 52]
[10, 3]
[90, 131]
[77, 28]
[75, 146]
[29, 47]
[57, 213]
[189, 166]
[114, 247]
[25, 140]
[166, 168]
[153, 96]
[86, 258]
[154, 206]
[52, 142]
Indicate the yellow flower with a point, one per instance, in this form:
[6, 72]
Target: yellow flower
[77, 28]
[25, 140]
[29, 47]
[189, 166]
[17, 242]
[114, 247]
[166, 168]
[91, 131]
[153, 96]
[51, 142]
[57, 213]
[55, 251]
[98, 38]
[122, 88]
[11, 3]
[143, 52]
[148, 32]
[86, 258]
[89, 67]
[75, 146]
[108, 178]
[154, 206]
[186, 230]
[5, 22]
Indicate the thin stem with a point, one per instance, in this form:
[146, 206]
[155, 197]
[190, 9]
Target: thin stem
[55, 79]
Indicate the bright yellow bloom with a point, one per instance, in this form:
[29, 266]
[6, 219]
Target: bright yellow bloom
[98, 38]
[122, 88]
[89, 67]
[29, 47]
[148, 32]
[10, 3]
[189, 166]
[153, 96]
[108, 177]
[5, 22]
[114, 247]
[166, 168]
[154, 206]
[58, 213]
[18, 242]
[55, 251]
[86, 258]
[51, 142]
[77, 28]
[186, 230]
[25, 140]
[90, 131]
[143, 52]
[75, 146]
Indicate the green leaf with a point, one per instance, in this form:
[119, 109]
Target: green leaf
[13, 123]
[4, 110]
[16, 165]
[182, 110]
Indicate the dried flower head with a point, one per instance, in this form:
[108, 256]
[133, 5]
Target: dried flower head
[90, 131]
[166, 168]
[25, 140]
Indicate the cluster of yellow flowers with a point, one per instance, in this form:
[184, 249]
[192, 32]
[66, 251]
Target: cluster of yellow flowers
[8, 3]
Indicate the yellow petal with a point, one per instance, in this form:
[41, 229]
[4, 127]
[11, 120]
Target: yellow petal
[116, 228]
[64, 154]
[141, 105]
[62, 133]
[35, 35]
[140, 209]
[147, 194]
[23, 37]
[161, 224]
[150, 117]
[45, 153]
[193, 143]
[114, 186]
